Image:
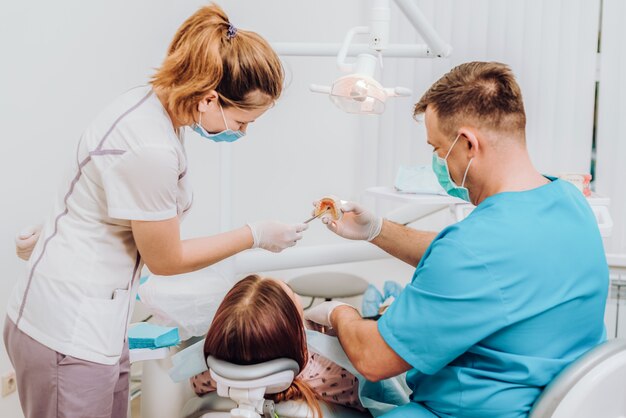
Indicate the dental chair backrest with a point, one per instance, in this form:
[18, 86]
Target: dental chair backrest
[592, 386]
[247, 385]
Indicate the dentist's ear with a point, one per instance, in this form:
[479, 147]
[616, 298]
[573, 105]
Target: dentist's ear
[471, 139]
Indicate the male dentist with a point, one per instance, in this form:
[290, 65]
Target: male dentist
[500, 302]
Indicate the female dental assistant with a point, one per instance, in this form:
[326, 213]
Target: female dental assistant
[122, 206]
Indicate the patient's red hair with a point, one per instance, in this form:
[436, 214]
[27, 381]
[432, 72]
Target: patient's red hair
[256, 322]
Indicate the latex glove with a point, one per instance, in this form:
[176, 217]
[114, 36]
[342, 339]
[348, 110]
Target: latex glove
[320, 314]
[276, 236]
[357, 223]
[26, 240]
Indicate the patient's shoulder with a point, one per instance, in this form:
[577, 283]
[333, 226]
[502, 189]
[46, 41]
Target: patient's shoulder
[331, 382]
[202, 383]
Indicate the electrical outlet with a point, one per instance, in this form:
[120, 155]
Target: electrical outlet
[9, 384]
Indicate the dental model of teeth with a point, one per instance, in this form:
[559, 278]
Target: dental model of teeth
[331, 205]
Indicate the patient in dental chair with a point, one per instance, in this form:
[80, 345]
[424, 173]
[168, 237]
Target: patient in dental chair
[261, 319]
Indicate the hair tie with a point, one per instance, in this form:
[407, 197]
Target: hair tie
[232, 31]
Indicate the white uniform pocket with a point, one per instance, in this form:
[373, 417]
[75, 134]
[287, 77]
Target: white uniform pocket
[101, 324]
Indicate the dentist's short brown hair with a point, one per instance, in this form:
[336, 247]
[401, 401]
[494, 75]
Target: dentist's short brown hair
[481, 94]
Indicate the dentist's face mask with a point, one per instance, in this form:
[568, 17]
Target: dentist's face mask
[440, 167]
[227, 135]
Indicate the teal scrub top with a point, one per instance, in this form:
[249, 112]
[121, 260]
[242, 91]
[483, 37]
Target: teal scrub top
[500, 303]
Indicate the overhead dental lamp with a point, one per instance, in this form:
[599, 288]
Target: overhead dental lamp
[359, 91]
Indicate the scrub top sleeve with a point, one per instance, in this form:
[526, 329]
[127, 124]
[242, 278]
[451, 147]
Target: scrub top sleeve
[451, 304]
[142, 184]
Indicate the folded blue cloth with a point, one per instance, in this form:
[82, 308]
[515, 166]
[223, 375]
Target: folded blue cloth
[145, 335]
[418, 179]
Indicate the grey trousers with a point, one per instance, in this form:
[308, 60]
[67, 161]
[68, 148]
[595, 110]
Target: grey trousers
[53, 385]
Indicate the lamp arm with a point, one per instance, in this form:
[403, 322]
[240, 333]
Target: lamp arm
[380, 18]
[438, 47]
[343, 52]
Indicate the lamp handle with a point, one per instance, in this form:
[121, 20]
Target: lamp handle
[318, 88]
[397, 92]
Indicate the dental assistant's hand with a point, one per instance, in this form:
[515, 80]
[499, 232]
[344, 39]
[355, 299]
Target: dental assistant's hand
[357, 223]
[26, 240]
[276, 236]
[320, 314]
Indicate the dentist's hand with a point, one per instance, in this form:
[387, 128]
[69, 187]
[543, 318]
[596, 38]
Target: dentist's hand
[25, 241]
[357, 223]
[320, 314]
[276, 236]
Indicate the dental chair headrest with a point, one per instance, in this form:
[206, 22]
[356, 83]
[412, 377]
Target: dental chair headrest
[275, 375]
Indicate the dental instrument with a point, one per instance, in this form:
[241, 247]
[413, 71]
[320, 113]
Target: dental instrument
[316, 216]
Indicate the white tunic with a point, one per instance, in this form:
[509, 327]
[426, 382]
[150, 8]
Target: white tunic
[81, 279]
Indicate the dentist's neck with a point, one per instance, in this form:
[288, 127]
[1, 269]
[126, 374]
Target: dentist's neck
[506, 168]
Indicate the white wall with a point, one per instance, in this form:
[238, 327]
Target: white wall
[63, 61]
[611, 137]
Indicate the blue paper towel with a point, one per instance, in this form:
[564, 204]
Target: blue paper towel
[145, 335]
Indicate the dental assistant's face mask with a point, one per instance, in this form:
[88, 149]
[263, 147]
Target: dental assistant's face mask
[227, 135]
[440, 167]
